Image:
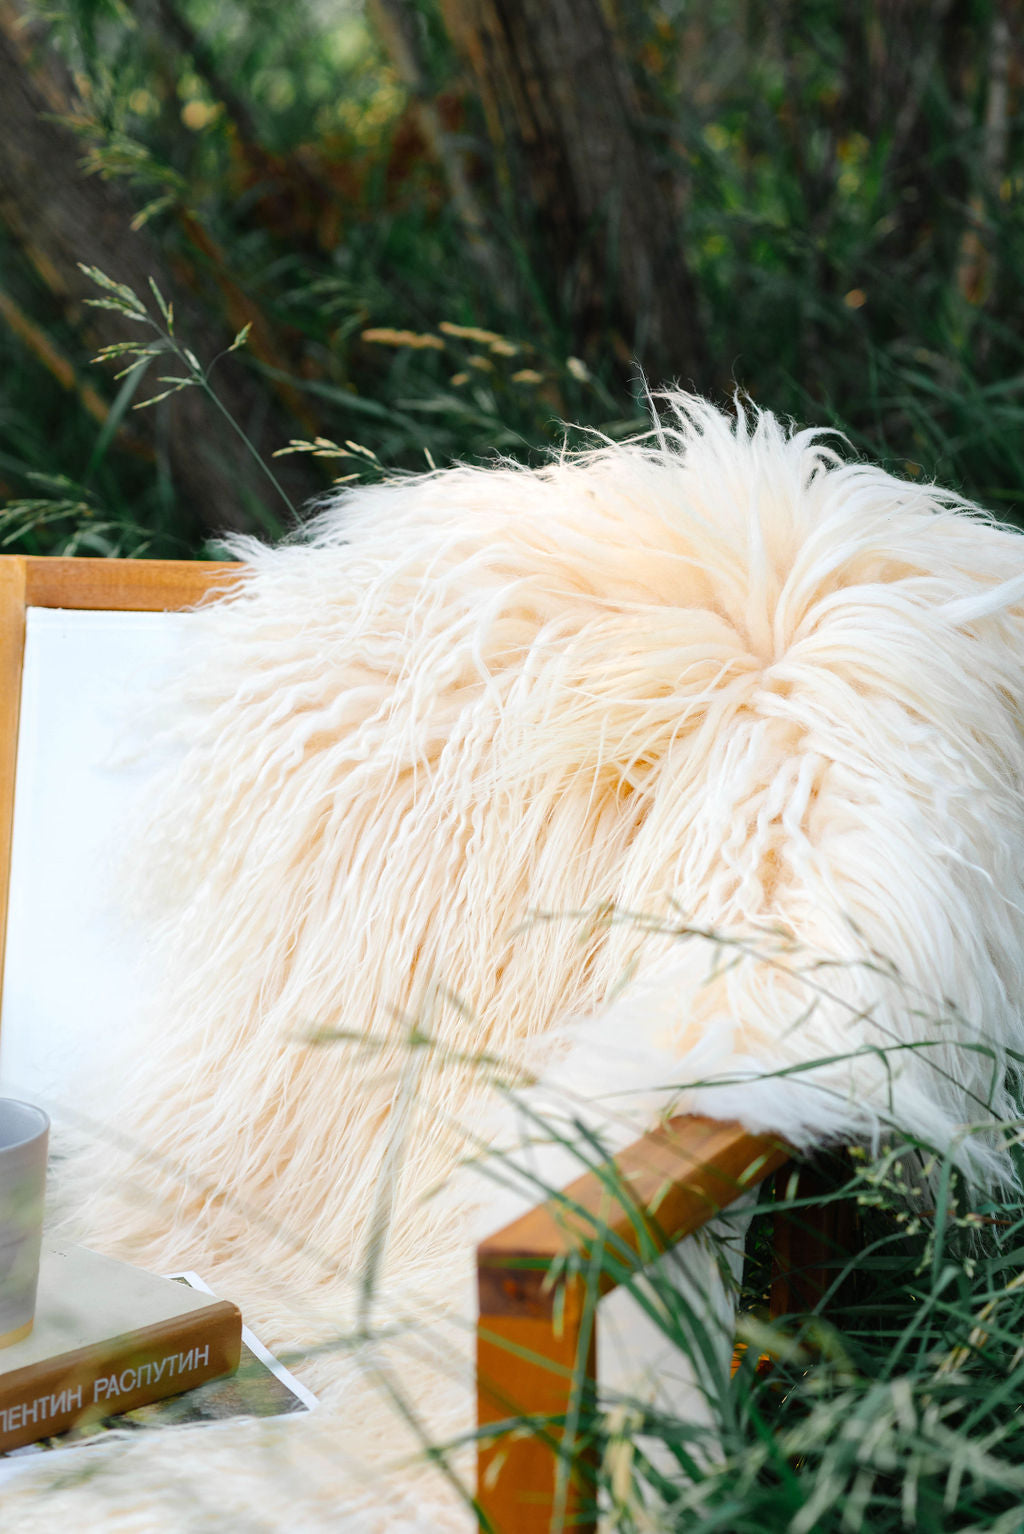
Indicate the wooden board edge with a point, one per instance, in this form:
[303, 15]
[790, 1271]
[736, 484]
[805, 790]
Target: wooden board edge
[661, 1188]
[539, 1371]
[12, 653]
[125, 585]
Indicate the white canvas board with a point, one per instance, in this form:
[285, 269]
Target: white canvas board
[75, 967]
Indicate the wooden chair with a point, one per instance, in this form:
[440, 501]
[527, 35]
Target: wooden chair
[536, 1337]
[536, 1346]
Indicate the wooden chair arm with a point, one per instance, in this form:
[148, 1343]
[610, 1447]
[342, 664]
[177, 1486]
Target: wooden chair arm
[536, 1348]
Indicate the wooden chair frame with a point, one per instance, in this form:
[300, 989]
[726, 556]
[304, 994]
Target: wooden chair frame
[535, 1335]
[536, 1344]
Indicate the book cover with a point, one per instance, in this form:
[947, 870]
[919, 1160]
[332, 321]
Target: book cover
[261, 1387]
[108, 1338]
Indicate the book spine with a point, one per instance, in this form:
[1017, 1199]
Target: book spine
[83, 1388]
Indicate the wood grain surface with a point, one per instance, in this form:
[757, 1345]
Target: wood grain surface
[536, 1342]
[125, 585]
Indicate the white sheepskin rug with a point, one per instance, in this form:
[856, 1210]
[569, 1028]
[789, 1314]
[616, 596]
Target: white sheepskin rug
[662, 769]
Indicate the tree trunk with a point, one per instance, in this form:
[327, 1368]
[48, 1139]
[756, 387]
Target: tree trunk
[561, 115]
[395, 23]
[60, 217]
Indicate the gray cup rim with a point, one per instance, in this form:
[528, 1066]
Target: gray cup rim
[32, 1133]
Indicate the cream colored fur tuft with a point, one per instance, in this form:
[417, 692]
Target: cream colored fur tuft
[711, 742]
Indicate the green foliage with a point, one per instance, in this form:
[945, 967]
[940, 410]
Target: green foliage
[853, 213]
[162, 343]
[895, 1406]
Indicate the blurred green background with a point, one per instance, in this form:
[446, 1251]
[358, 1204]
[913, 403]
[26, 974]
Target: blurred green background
[453, 226]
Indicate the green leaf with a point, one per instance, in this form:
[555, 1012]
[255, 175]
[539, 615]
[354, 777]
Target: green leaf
[138, 366]
[132, 379]
[129, 299]
[241, 338]
[156, 398]
[120, 308]
[152, 208]
[163, 305]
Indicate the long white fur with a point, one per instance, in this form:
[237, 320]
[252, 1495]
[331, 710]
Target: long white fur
[687, 760]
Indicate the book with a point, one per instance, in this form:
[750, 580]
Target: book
[261, 1387]
[108, 1338]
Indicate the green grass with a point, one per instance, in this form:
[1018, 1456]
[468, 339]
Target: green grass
[893, 1404]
